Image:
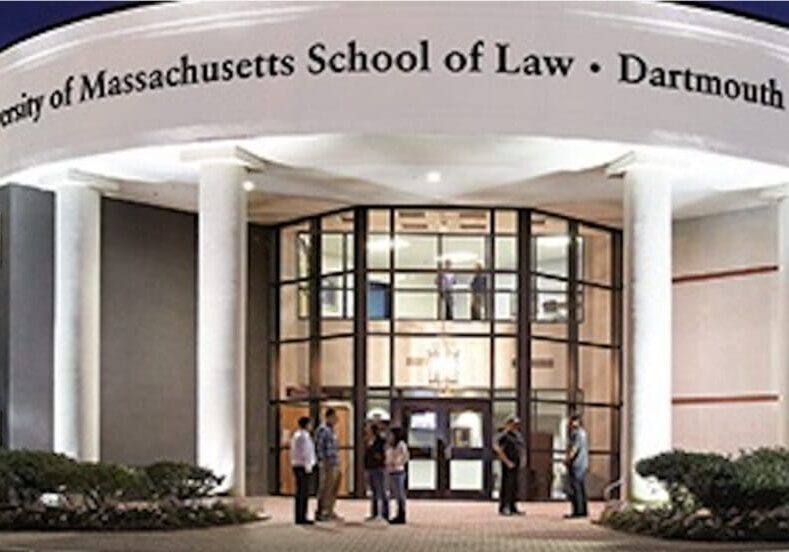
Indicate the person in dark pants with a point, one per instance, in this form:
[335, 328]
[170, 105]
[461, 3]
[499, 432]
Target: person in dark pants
[375, 464]
[302, 460]
[508, 448]
[577, 461]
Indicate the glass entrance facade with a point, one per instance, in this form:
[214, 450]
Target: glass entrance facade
[446, 321]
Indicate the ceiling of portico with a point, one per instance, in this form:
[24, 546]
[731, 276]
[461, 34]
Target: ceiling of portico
[311, 174]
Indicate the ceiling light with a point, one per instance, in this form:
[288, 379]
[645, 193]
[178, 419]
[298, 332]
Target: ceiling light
[434, 177]
[249, 185]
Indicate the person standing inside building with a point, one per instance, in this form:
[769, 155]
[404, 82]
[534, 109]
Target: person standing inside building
[508, 448]
[479, 293]
[328, 454]
[302, 460]
[445, 281]
[577, 461]
[397, 457]
[375, 465]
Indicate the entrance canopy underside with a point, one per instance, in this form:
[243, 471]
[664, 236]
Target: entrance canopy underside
[305, 175]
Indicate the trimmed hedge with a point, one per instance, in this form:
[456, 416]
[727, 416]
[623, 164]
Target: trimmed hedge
[42, 490]
[714, 497]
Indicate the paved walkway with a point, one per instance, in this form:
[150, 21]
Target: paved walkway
[433, 525]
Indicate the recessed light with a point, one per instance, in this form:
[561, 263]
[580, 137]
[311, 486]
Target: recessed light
[249, 185]
[433, 177]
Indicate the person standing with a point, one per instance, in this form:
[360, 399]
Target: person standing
[445, 281]
[302, 460]
[375, 465]
[479, 293]
[508, 447]
[577, 461]
[397, 457]
[328, 455]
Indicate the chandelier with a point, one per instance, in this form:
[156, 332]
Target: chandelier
[443, 362]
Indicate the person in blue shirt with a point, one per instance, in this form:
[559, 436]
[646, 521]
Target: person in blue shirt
[327, 451]
[577, 461]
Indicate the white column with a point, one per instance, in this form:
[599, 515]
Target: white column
[222, 291]
[647, 235]
[77, 302]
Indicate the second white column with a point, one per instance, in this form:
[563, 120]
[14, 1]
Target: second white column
[647, 202]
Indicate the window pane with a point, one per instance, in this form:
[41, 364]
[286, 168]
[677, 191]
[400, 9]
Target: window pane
[506, 306]
[597, 254]
[293, 311]
[344, 426]
[337, 362]
[550, 297]
[294, 370]
[549, 365]
[506, 253]
[333, 297]
[419, 305]
[598, 375]
[414, 251]
[421, 475]
[507, 282]
[594, 315]
[430, 362]
[289, 415]
[378, 221]
[550, 245]
[502, 410]
[506, 222]
[378, 362]
[466, 475]
[416, 280]
[465, 428]
[465, 251]
[549, 426]
[599, 423]
[378, 409]
[379, 247]
[379, 296]
[294, 251]
[332, 253]
[600, 475]
[457, 221]
[506, 358]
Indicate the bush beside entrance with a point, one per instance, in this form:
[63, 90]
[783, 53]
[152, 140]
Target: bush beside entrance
[43, 490]
[713, 497]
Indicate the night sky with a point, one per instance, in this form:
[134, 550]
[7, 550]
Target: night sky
[21, 19]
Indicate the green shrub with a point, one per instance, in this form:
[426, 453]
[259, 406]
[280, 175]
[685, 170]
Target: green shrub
[164, 495]
[102, 486]
[179, 481]
[34, 473]
[714, 497]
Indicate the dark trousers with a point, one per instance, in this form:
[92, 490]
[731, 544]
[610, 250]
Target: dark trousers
[578, 492]
[302, 494]
[508, 495]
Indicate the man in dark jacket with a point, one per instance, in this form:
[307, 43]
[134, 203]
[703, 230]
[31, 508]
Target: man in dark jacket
[508, 447]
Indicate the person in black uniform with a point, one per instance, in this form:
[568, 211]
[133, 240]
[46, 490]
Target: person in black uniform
[508, 447]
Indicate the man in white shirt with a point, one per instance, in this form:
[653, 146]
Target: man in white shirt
[302, 459]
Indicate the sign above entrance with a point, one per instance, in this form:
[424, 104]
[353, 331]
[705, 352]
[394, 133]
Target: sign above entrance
[640, 73]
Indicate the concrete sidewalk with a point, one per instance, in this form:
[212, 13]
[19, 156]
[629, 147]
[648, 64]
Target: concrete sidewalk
[432, 525]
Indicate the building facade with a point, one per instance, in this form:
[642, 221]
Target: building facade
[353, 206]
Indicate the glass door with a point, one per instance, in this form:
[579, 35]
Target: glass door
[449, 442]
